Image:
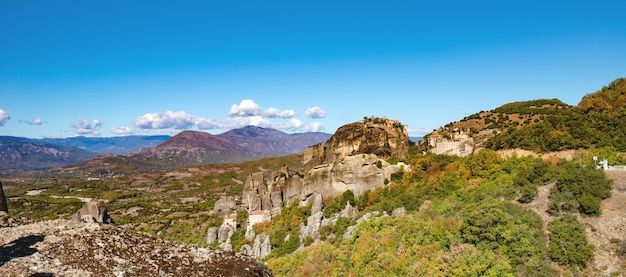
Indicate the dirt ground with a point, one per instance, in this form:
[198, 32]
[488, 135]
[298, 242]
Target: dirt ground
[609, 230]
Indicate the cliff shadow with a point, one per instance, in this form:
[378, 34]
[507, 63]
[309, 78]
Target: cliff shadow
[18, 248]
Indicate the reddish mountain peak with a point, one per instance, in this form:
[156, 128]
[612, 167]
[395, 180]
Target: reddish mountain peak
[196, 139]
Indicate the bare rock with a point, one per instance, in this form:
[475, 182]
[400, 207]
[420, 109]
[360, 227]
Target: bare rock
[211, 236]
[318, 204]
[260, 248]
[225, 203]
[265, 247]
[312, 228]
[398, 211]
[93, 211]
[379, 136]
[356, 173]
[224, 233]
[74, 248]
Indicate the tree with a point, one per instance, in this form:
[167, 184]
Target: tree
[568, 243]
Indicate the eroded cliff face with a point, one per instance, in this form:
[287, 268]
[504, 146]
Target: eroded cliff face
[382, 137]
[352, 159]
[269, 190]
[358, 173]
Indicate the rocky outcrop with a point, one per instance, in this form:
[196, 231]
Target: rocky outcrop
[314, 221]
[94, 211]
[356, 173]
[74, 248]
[269, 190]
[352, 159]
[260, 248]
[226, 204]
[223, 234]
[382, 137]
[4, 207]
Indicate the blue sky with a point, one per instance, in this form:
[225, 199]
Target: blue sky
[114, 68]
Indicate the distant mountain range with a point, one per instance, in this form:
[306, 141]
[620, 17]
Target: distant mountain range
[22, 154]
[114, 145]
[151, 153]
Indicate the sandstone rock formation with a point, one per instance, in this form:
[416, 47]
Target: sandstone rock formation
[382, 137]
[74, 248]
[225, 203]
[352, 159]
[93, 211]
[260, 248]
[270, 190]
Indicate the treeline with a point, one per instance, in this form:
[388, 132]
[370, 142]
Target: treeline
[597, 121]
[541, 106]
[461, 219]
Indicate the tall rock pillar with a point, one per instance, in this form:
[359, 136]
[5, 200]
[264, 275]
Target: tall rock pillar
[4, 207]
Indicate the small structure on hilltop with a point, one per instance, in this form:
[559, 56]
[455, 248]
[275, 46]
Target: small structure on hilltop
[258, 216]
[230, 220]
[458, 143]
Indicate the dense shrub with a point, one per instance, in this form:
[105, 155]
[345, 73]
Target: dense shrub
[568, 243]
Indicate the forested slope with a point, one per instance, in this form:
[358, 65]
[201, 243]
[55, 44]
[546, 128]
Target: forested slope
[550, 125]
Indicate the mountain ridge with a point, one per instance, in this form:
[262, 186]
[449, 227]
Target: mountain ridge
[546, 125]
[103, 145]
[184, 149]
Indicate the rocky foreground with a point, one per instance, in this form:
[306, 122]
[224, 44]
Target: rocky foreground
[78, 248]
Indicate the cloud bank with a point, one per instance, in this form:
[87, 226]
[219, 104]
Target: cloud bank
[36, 121]
[165, 120]
[4, 117]
[84, 127]
[246, 113]
[315, 112]
[315, 127]
[122, 130]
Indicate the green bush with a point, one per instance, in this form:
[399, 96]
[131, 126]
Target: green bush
[338, 203]
[568, 243]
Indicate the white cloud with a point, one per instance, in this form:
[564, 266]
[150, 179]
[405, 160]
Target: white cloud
[176, 120]
[246, 108]
[36, 121]
[206, 123]
[315, 127]
[274, 112]
[122, 130]
[4, 116]
[315, 112]
[83, 127]
[165, 120]
[291, 125]
[246, 113]
[238, 122]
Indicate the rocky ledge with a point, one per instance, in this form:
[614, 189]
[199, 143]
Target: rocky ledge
[77, 248]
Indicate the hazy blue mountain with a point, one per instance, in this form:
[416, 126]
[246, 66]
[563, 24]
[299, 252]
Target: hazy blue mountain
[23, 154]
[114, 145]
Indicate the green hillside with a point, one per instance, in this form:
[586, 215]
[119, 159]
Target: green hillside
[465, 216]
[597, 121]
[547, 125]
